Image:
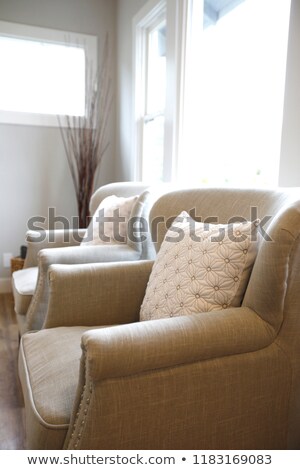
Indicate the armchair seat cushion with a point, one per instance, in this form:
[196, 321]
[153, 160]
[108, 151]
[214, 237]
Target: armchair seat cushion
[49, 381]
[24, 283]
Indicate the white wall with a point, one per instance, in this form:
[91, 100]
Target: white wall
[34, 173]
[126, 10]
[289, 174]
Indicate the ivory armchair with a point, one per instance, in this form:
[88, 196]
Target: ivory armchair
[30, 285]
[95, 377]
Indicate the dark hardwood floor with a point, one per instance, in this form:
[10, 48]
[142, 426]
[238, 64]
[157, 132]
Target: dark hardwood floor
[11, 400]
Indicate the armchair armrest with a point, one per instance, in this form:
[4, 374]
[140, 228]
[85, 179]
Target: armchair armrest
[139, 382]
[69, 255]
[38, 240]
[96, 294]
[140, 347]
[86, 254]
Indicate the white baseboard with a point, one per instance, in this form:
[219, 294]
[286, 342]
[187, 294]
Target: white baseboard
[5, 285]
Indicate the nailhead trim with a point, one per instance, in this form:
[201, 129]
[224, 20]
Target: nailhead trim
[80, 417]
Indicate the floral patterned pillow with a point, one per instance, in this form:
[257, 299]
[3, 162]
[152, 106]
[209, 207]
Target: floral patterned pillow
[200, 267]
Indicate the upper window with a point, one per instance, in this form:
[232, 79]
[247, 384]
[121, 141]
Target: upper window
[42, 73]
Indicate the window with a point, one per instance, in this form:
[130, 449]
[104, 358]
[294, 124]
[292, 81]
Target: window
[159, 40]
[150, 91]
[224, 69]
[234, 93]
[42, 73]
[155, 101]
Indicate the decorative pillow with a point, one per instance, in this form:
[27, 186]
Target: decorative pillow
[200, 267]
[101, 231]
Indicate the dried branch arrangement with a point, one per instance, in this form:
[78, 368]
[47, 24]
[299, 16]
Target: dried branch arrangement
[85, 137]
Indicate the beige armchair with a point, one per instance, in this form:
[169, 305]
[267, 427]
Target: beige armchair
[226, 379]
[30, 285]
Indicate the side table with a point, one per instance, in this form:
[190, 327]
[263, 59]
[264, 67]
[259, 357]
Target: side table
[16, 264]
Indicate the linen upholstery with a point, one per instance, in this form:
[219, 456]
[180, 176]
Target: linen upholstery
[42, 373]
[196, 405]
[38, 240]
[216, 206]
[116, 291]
[24, 283]
[120, 351]
[212, 380]
[21, 320]
[61, 246]
[275, 266]
[36, 314]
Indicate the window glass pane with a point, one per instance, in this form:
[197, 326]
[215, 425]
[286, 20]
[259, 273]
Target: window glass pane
[153, 128]
[156, 76]
[235, 91]
[153, 149]
[40, 77]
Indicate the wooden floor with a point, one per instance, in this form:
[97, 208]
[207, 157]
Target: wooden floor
[11, 401]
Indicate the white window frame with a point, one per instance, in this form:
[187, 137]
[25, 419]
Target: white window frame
[176, 13]
[177, 21]
[35, 33]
